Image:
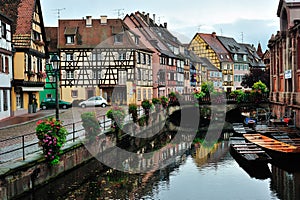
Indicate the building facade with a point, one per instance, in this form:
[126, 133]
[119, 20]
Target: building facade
[28, 39]
[6, 70]
[285, 62]
[103, 57]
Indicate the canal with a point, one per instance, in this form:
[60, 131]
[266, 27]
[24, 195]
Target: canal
[200, 173]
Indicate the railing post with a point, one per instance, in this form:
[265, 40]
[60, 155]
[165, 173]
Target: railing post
[23, 146]
[73, 124]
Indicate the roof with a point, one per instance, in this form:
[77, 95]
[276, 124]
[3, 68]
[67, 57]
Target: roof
[97, 34]
[209, 66]
[231, 45]
[51, 38]
[215, 44]
[21, 12]
[253, 58]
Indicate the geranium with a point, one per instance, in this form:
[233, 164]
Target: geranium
[52, 136]
[41, 74]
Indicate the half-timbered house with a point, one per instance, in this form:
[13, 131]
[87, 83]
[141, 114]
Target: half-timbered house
[28, 38]
[103, 57]
[208, 46]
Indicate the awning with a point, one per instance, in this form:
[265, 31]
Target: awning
[32, 89]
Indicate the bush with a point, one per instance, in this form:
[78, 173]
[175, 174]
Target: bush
[90, 125]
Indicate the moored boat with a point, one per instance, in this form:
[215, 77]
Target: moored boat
[283, 151]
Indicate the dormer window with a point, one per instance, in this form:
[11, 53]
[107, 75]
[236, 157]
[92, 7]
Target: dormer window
[70, 33]
[70, 39]
[235, 57]
[36, 36]
[136, 40]
[118, 38]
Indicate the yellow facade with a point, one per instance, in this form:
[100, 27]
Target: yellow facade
[202, 49]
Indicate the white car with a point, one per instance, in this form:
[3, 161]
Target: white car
[94, 101]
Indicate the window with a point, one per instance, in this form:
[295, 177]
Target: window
[122, 56]
[70, 74]
[70, 57]
[138, 59]
[74, 93]
[149, 94]
[70, 39]
[3, 30]
[149, 60]
[118, 38]
[144, 94]
[36, 36]
[122, 77]
[235, 56]
[139, 94]
[1, 64]
[5, 100]
[136, 40]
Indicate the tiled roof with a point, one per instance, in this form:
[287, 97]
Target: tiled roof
[21, 12]
[215, 44]
[209, 66]
[253, 58]
[231, 45]
[51, 38]
[96, 34]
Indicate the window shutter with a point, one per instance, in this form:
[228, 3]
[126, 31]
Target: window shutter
[75, 74]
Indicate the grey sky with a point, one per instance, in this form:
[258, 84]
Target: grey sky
[248, 21]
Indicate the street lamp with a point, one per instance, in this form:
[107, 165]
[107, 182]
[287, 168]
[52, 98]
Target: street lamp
[55, 67]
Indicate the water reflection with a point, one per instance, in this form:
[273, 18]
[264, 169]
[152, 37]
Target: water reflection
[201, 172]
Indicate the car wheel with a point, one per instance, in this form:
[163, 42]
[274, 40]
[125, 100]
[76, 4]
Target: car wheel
[44, 107]
[64, 106]
[103, 105]
[83, 106]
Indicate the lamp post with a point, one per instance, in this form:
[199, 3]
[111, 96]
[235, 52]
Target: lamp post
[55, 66]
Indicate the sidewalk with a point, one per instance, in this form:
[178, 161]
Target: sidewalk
[23, 119]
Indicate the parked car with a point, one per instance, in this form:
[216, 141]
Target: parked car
[94, 101]
[51, 103]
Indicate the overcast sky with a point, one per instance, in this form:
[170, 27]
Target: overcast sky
[247, 21]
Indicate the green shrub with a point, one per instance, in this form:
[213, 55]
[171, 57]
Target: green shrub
[90, 125]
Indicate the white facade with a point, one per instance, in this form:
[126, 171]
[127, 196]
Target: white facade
[6, 71]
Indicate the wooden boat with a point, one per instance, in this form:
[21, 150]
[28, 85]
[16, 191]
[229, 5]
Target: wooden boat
[249, 152]
[252, 159]
[282, 150]
[240, 129]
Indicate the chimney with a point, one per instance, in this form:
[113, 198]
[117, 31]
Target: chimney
[88, 21]
[148, 19]
[154, 18]
[103, 19]
[213, 34]
[165, 25]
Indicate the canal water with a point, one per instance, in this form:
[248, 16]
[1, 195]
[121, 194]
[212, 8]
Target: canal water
[200, 173]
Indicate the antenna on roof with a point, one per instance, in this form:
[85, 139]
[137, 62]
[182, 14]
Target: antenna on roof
[120, 14]
[242, 35]
[58, 10]
[199, 27]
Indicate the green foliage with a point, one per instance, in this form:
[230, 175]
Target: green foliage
[174, 99]
[116, 114]
[207, 87]
[132, 109]
[164, 101]
[90, 125]
[260, 86]
[156, 101]
[146, 104]
[198, 95]
[52, 136]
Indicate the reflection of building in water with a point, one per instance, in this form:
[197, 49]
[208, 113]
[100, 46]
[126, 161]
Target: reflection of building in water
[213, 154]
[286, 185]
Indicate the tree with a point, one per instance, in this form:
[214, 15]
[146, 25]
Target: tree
[255, 75]
[207, 87]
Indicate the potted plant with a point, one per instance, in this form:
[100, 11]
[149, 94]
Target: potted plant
[132, 109]
[52, 136]
[157, 103]
[117, 115]
[90, 125]
[146, 104]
